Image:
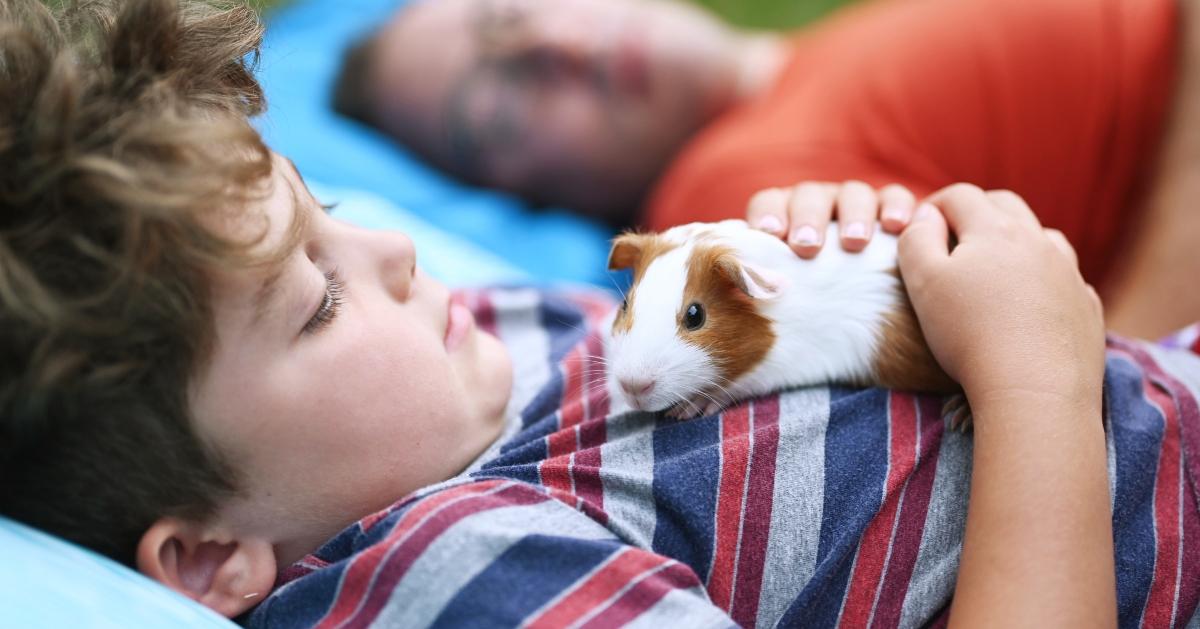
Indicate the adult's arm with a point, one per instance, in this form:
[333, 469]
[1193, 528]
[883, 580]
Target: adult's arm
[1026, 341]
[1154, 292]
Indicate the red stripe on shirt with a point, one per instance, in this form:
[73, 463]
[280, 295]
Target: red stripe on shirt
[555, 473]
[735, 447]
[647, 593]
[596, 391]
[756, 523]
[562, 442]
[913, 511]
[1185, 403]
[1188, 409]
[592, 432]
[402, 554]
[1189, 587]
[586, 466]
[353, 586]
[574, 458]
[875, 545]
[1161, 602]
[595, 590]
[571, 410]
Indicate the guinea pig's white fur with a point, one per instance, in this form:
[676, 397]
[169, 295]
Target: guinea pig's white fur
[837, 318]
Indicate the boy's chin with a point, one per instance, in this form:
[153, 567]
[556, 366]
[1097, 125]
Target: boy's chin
[494, 369]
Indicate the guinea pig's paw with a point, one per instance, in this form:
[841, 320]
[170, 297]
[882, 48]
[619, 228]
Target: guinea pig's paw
[716, 402]
[957, 413]
[695, 405]
[681, 410]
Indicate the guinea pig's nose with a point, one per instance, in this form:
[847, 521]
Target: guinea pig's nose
[637, 386]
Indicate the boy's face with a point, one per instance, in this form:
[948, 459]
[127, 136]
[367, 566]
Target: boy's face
[332, 389]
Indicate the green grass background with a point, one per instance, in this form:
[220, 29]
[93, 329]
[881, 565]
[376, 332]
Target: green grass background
[775, 14]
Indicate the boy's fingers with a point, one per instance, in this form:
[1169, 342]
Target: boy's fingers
[896, 207]
[768, 210]
[1062, 244]
[809, 211]
[1014, 206]
[857, 207]
[1095, 297]
[925, 242]
[965, 208]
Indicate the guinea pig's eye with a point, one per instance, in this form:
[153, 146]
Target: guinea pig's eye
[624, 304]
[694, 317]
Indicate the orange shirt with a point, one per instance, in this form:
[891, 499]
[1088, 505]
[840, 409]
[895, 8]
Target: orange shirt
[1061, 101]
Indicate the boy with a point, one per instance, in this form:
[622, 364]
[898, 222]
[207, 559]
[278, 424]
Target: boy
[210, 377]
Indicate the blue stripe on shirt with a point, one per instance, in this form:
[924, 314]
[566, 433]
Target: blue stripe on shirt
[687, 463]
[856, 459]
[523, 579]
[1138, 437]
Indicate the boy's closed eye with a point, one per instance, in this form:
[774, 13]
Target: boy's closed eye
[330, 303]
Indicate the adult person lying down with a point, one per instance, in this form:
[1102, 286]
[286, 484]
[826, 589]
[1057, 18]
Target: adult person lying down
[281, 416]
[653, 112]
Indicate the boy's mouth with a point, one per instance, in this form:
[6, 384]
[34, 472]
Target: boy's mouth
[459, 322]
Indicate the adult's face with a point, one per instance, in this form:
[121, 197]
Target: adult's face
[574, 102]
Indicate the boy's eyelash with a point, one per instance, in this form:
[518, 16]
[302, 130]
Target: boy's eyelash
[330, 305]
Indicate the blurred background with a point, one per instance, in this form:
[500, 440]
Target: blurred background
[752, 13]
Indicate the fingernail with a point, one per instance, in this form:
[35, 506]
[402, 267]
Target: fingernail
[894, 212]
[855, 231]
[924, 211]
[770, 223]
[805, 236]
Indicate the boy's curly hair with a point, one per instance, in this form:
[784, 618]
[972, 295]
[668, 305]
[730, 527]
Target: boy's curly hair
[123, 131]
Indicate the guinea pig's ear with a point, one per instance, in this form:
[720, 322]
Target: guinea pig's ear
[626, 250]
[756, 281]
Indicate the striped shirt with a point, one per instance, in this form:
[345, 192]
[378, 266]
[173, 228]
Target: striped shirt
[813, 507]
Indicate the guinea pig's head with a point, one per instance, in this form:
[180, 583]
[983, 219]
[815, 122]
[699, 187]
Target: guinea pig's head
[691, 322]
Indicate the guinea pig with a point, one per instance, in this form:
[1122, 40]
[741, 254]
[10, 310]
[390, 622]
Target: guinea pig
[720, 311]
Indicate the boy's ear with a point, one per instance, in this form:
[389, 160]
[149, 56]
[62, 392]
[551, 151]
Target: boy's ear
[222, 572]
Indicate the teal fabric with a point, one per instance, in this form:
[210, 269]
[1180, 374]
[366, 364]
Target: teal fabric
[51, 583]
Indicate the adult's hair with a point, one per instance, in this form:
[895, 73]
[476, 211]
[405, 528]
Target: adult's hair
[123, 132]
[351, 91]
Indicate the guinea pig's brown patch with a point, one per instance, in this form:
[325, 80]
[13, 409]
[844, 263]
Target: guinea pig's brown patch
[903, 360]
[634, 251]
[734, 333]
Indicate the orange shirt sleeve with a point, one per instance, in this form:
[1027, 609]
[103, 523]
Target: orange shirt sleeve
[1062, 101]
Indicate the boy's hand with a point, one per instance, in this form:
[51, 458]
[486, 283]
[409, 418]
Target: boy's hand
[801, 213]
[1006, 311]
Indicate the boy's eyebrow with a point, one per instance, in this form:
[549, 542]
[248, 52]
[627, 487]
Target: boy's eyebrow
[266, 294]
[268, 291]
[297, 171]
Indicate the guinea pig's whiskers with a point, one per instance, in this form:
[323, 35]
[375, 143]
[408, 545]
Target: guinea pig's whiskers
[616, 286]
[574, 326]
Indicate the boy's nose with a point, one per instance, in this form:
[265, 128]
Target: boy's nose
[398, 263]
